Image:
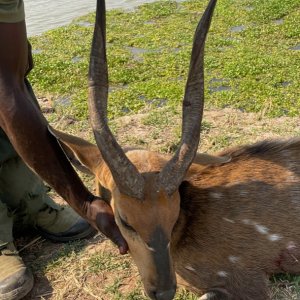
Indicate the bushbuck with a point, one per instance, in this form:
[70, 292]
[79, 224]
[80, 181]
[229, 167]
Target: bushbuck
[222, 224]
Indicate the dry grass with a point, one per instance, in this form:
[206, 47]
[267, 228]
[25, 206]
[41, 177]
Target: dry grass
[220, 129]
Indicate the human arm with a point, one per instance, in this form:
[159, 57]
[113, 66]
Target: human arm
[27, 130]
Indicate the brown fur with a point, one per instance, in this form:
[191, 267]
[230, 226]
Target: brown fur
[242, 219]
[236, 219]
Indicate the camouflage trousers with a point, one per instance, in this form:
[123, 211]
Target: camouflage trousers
[22, 193]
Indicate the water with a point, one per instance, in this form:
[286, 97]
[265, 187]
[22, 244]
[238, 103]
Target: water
[42, 15]
[279, 21]
[239, 28]
[218, 85]
[297, 47]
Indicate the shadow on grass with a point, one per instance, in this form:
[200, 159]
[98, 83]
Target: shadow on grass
[41, 255]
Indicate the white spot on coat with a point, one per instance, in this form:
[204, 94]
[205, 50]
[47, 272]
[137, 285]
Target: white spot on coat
[243, 193]
[248, 222]
[261, 229]
[190, 268]
[274, 237]
[291, 245]
[222, 274]
[233, 259]
[228, 220]
[216, 195]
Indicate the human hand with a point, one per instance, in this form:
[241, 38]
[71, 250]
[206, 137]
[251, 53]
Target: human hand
[101, 217]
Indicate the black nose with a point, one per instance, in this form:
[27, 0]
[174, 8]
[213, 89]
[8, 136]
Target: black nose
[165, 295]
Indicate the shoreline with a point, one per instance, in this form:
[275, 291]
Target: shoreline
[42, 16]
[252, 62]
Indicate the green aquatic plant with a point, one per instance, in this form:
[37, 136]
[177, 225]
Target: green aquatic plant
[251, 48]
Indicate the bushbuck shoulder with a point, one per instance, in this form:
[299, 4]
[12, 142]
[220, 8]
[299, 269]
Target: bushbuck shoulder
[222, 223]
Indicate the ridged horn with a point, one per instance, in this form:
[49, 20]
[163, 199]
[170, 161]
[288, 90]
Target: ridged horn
[125, 174]
[174, 171]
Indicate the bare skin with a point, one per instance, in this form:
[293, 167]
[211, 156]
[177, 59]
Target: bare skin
[27, 130]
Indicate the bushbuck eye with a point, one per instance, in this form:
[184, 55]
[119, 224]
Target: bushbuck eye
[126, 225]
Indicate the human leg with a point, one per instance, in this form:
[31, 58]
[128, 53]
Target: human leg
[23, 196]
[15, 279]
[24, 192]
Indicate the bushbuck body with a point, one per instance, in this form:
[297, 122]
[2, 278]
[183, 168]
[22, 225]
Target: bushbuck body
[223, 224]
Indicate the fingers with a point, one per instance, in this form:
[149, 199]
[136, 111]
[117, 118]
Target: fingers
[105, 222]
[120, 242]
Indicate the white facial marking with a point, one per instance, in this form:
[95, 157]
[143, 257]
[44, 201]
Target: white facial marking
[261, 229]
[274, 237]
[222, 274]
[228, 220]
[150, 248]
[233, 259]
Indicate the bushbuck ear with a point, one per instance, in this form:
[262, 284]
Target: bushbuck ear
[206, 159]
[202, 161]
[82, 154]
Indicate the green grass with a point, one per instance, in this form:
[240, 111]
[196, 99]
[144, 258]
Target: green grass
[258, 64]
[104, 262]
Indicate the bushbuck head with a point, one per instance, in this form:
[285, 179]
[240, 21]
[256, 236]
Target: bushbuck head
[144, 185]
[145, 196]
